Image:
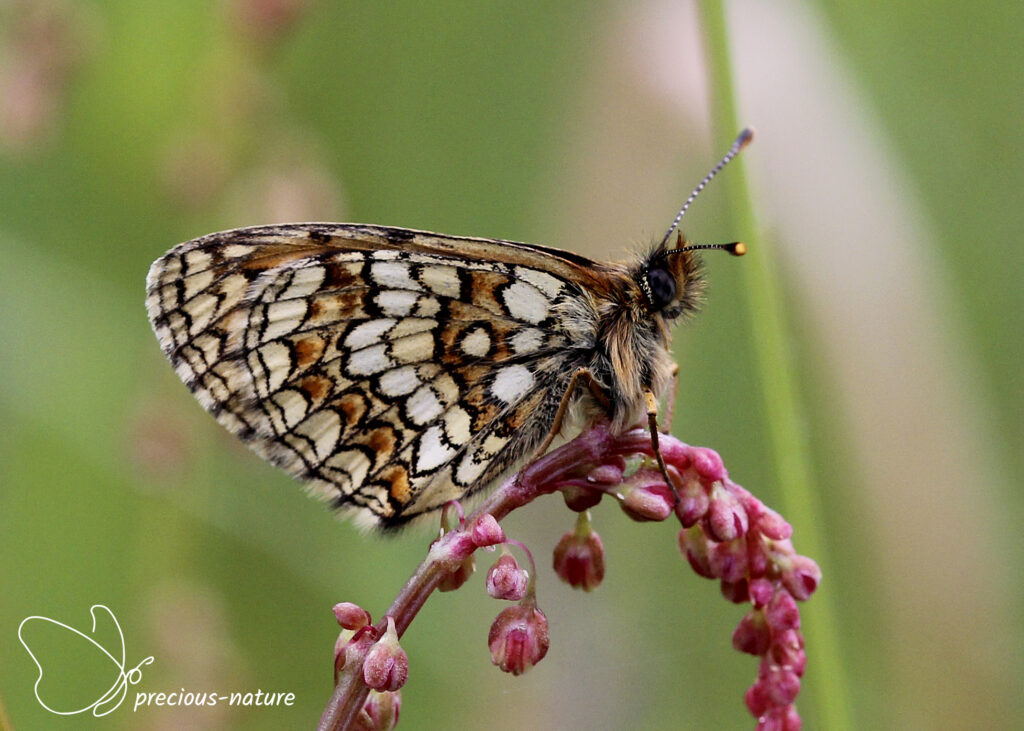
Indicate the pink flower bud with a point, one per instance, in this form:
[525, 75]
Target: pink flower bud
[801, 577]
[708, 464]
[694, 545]
[459, 576]
[518, 639]
[579, 559]
[782, 612]
[578, 498]
[780, 719]
[726, 519]
[487, 532]
[752, 635]
[505, 580]
[756, 698]
[728, 561]
[735, 591]
[351, 616]
[386, 666]
[607, 474]
[761, 592]
[788, 651]
[693, 500]
[773, 525]
[380, 713]
[783, 686]
[650, 501]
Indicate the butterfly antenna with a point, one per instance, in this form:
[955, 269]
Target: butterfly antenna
[742, 141]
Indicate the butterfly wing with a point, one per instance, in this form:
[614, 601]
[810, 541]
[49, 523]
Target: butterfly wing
[393, 370]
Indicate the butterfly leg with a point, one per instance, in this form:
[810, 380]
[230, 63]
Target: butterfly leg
[670, 401]
[596, 390]
[652, 425]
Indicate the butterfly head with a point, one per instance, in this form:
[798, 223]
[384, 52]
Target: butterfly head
[670, 279]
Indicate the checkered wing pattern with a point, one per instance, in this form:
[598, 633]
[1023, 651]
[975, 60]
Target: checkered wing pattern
[393, 370]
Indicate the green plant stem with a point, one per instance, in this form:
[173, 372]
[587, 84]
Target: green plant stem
[783, 414]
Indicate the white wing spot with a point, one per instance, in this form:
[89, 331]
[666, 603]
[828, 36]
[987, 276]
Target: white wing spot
[396, 302]
[527, 340]
[399, 381]
[543, 281]
[393, 275]
[367, 333]
[525, 302]
[476, 343]
[442, 280]
[433, 452]
[511, 383]
[423, 406]
[370, 360]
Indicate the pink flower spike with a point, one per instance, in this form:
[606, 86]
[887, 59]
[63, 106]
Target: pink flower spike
[351, 616]
[380, 713]
[386, 666]
[518, 639]
[579, 556]
[735, 591]
[487, 531]
[505, 580]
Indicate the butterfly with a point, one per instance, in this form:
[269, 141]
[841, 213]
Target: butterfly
[395, 370]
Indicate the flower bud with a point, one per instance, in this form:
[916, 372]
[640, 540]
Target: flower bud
[801, 577]
[782, 686]
[726, 519]
[380, 713]
[773, 525]
[386, 666]
[607, 473]
[780, 719]
[518, 639]
[708, 464]
[578, 498]
[693, 499]
[694, 545]
[579, 557]
[752, 635]
[788, 651]
[459, 576]
[761, 592]
[782, 612]
[728, 561]
[351, 616]
[735, 591]
[487, 531]
[652, 500]
[505, 580]
[756, 698]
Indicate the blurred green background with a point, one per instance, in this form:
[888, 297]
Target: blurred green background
[887, 176]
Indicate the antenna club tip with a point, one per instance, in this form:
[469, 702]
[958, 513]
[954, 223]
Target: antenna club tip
[738, 249]
[745, 137]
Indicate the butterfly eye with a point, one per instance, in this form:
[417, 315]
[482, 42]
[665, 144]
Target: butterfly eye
[662, 288]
